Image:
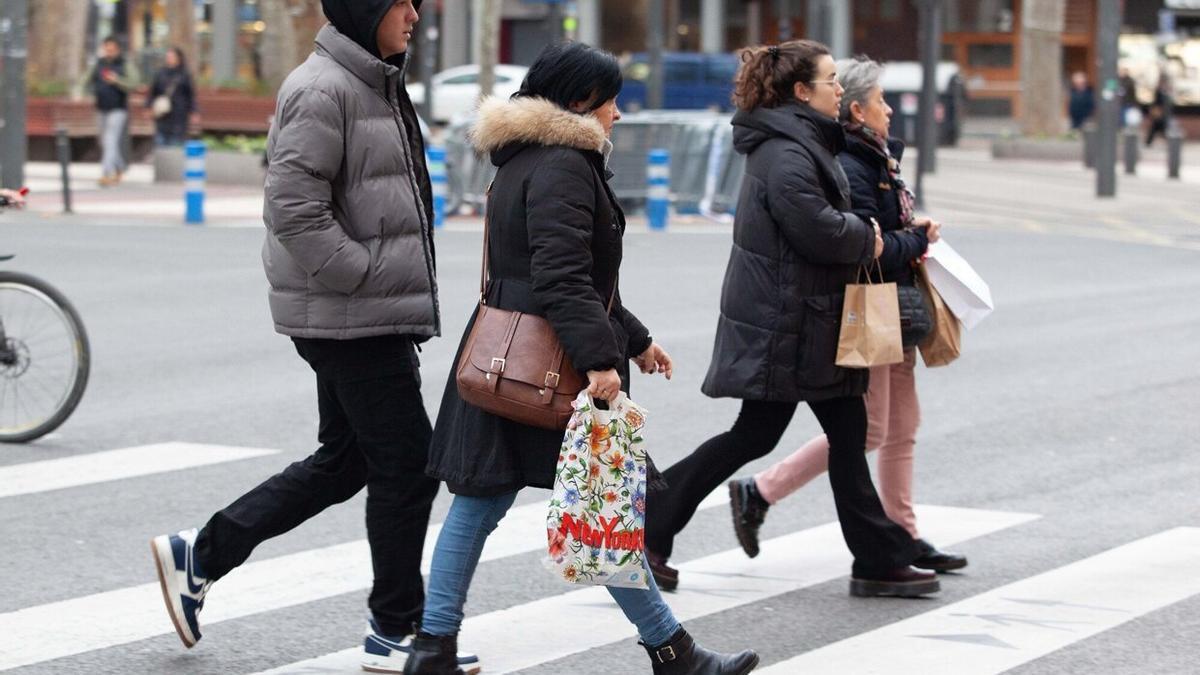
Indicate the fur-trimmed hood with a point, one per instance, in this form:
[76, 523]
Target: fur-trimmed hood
[533, 121]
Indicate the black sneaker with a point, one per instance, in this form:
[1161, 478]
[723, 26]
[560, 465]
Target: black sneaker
[749, 511]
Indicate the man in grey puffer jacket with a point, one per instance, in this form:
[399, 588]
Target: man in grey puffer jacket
[350, 260]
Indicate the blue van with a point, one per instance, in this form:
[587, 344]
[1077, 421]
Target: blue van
[691, 81]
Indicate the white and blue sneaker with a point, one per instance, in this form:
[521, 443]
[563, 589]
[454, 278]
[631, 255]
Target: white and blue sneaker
[182, 582]
[387, 654]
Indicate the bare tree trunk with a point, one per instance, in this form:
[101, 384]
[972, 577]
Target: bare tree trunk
[1042, 23]
[181, 30]
[489, 44]
[57, 41]
[280, 49]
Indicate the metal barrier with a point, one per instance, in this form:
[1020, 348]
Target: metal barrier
[705, 173]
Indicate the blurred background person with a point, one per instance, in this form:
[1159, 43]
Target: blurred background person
[172, 100]
[111, 81]
[1082, 102]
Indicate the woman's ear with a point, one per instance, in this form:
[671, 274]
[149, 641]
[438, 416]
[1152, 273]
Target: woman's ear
[856, 112]
[801, 92]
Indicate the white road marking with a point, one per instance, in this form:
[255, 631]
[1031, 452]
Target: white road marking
[1005, 627]
[121, 616]
[548, 629]
[99, 467]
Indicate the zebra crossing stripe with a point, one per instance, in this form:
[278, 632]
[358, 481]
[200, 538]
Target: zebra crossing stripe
[548, 629]
[1005, 627]
[121, 616]
[110, 465]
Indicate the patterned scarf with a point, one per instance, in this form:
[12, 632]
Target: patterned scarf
[879, 144]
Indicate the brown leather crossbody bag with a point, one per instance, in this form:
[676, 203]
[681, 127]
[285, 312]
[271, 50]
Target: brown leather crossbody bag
[513, 365]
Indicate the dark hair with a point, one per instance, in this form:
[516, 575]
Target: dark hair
[179, 55]
[570, 72]
[768, 75]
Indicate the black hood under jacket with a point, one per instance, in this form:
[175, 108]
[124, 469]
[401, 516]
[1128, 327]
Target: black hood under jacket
[359, 19]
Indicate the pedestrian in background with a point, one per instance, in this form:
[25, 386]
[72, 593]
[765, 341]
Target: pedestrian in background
[172, 100]
[872, 164]
[111, 82]
[796, 245]
[555, 233]
[1161, 110]
[1127, 91]
[1082, 100]
[350, 260]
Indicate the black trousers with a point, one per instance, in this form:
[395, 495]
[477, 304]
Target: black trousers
[374, 432]
[877, 543]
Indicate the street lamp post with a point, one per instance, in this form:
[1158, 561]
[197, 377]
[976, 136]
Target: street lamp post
[1108, 32]
[429, 47]
[931, 41]
[14, 27]
[655, 29]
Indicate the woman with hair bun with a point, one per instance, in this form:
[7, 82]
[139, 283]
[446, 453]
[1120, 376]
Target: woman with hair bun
[796, 245]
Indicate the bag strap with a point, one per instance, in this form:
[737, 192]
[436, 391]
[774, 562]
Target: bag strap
[485, 268]
[867, 268]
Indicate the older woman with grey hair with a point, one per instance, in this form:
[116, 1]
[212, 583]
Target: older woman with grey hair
[871, 161]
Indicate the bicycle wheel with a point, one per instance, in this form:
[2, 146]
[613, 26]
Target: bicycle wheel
[44, 359]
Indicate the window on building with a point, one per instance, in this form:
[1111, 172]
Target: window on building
[979, 16]
[990, 56]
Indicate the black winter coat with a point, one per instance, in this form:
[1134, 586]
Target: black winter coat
[873, 194]
[555, 231]
[795, 247]
[175, 83]
[109, 96]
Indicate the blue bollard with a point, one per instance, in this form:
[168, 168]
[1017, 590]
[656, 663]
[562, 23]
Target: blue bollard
[440, 181]
[658, 188]
[193, 182]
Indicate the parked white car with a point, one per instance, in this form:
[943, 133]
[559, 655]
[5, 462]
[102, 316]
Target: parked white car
[456, 90]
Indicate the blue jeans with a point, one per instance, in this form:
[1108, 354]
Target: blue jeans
[467, 526]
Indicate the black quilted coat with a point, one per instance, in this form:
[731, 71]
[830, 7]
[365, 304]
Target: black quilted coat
[556, 247]
[795, 247]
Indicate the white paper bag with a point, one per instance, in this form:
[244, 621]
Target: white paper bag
[961, 287]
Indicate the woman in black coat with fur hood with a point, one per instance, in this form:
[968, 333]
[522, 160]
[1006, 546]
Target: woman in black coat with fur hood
[796, 245]
[554, 250]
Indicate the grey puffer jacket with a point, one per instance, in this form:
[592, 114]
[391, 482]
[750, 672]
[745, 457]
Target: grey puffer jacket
[349, 246]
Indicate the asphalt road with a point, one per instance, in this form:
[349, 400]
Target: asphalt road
[1075, 402]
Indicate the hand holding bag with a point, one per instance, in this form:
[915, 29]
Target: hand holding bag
[944, 343]
[870, 329]
[513, 364]
[595, 529]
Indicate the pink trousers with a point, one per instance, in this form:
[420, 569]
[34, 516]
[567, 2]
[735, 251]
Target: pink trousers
[893, 415]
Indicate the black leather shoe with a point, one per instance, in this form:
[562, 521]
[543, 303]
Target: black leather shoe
[682, 656]
[903, 582]
[749, 511]
[665, 576]
[938, 561]
[433, 655]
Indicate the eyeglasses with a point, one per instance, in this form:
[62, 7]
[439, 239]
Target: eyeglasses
[831, 81]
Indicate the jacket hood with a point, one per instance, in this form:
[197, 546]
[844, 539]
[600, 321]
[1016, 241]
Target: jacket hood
[792, 120]
[359, 19]
[351, 56]
[504, 125]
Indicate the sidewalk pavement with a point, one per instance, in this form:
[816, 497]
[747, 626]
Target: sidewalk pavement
[968, 181]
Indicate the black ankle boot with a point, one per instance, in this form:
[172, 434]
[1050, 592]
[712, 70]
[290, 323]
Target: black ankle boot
[433, 655]
[682, 656]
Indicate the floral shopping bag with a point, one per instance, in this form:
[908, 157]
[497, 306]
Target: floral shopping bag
[596, 525]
